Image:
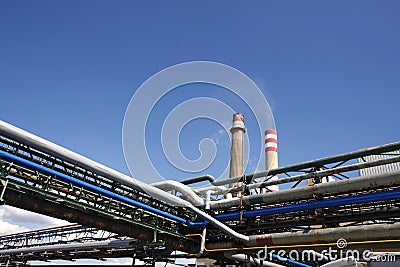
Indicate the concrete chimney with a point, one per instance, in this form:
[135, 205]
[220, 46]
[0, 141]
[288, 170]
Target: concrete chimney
[237, 130]
[271, 155]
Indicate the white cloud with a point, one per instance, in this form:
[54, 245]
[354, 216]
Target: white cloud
[8, 228]
[13, 220]
[220, 136]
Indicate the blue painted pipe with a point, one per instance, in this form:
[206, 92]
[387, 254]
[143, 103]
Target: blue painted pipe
[373, 197]
[28, 164]
[296, 263]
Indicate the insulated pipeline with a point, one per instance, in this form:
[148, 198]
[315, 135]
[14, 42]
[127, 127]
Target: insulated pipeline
[361, 199]
[306, 192]
[28, 164]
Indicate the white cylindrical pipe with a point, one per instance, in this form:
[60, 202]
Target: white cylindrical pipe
[271, 155]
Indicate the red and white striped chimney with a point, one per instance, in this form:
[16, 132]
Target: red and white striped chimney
[271, 155]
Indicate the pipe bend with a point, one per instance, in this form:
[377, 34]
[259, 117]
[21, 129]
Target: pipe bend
[186, 191]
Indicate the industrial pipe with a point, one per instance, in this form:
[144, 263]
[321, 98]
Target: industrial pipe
[323, 173]
[41, 144]
[319, 204]
[313, 163]
[90, 218]
[329, 235]
[186, 192]
[254, 262]
[93, 188]
[325, 236]
[198, 179]
[70, 246]
[307, 192]
[28, 164]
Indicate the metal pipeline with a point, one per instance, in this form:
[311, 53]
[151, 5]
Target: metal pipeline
[186, 192]
[77, 182]
[70, 246]
[329, 203]
[66, 211]
[381, 196]
[43, 145]
[254, 262]
[328, 235]
[307, 192]
[203, 234]
[28, 164]
[323, 173]
[316, 237]
[198, 179]
[293, 262]
[257, 262]
[313, 163]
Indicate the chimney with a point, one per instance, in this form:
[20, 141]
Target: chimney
[271, 155]
[237, 130]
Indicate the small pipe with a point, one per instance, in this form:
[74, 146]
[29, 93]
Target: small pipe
[203, 235]
[296, 263]
[198, 179]
[218, 224]
[214, 189]
[254, 262]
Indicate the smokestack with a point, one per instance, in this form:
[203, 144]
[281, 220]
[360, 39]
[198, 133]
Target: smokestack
[271, 155]
[237, 130]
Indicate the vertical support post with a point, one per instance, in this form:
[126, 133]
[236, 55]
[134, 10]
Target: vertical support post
[4, 183]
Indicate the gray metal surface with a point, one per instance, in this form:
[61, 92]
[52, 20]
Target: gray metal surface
[382, 168]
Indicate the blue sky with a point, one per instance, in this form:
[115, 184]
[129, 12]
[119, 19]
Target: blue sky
[329, 69]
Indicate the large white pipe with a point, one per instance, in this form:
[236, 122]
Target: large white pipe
[185, 191]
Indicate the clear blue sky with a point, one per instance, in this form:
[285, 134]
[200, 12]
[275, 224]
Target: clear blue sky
[330, 69]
